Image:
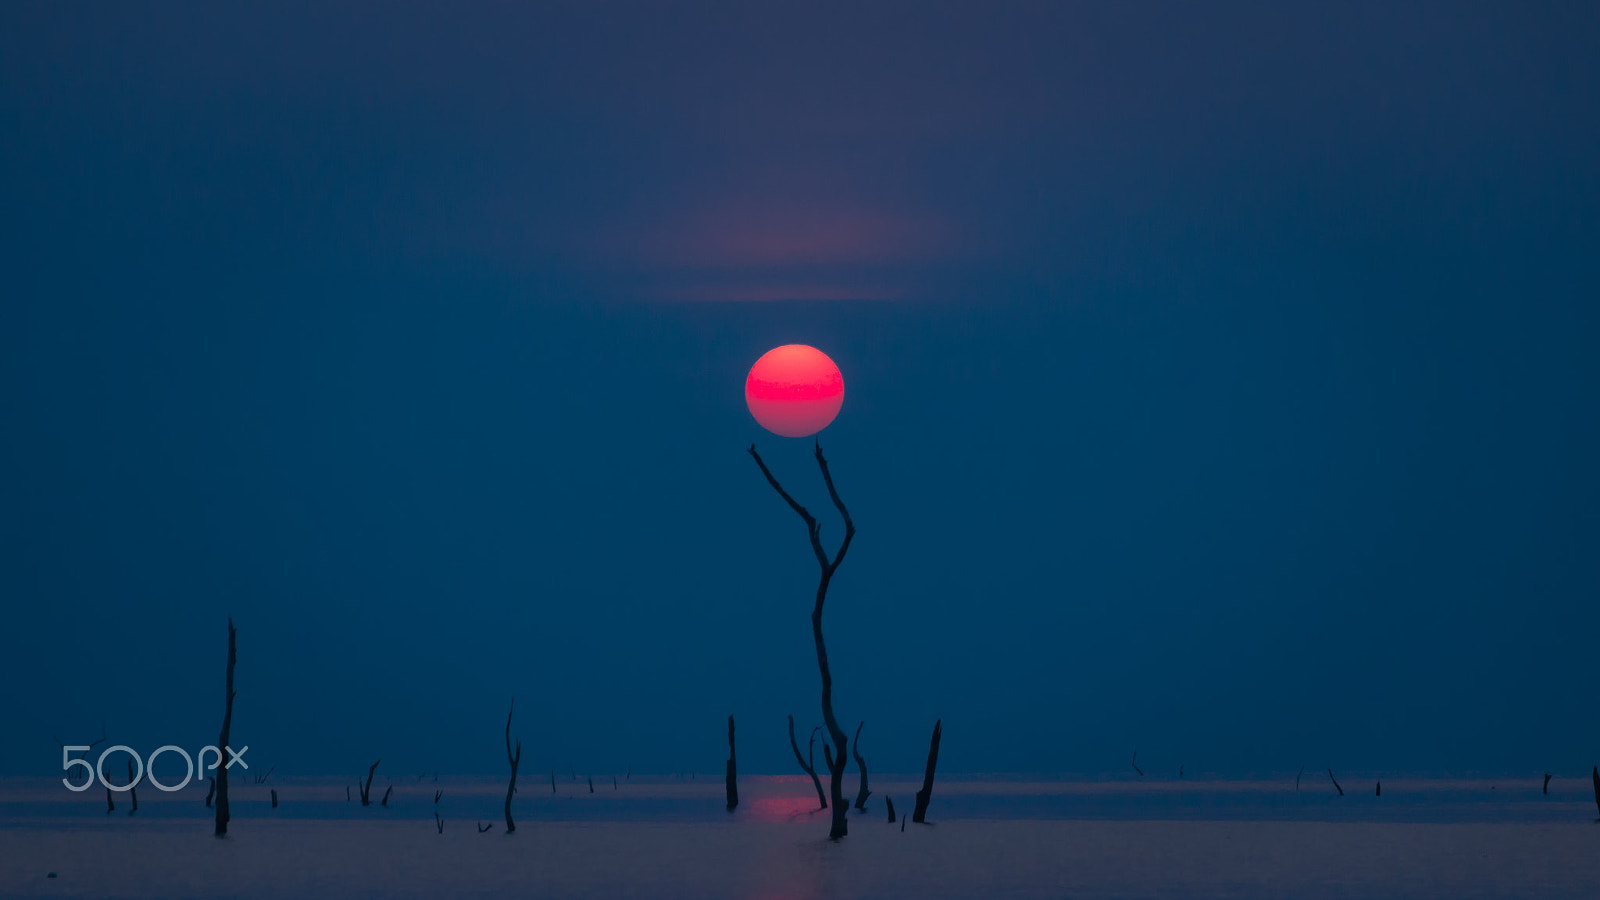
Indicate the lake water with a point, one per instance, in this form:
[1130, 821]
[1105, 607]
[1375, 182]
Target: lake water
[670, 838]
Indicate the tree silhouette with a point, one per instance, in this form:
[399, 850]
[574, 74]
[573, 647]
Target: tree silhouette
[837, 756]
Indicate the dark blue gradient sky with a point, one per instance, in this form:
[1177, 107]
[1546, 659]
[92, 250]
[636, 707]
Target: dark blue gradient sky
[1221, 381]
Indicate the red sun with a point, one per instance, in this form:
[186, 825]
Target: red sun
[794, 390]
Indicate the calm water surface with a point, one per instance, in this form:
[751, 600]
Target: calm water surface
[672, 839]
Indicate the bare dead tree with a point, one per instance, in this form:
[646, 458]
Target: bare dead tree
[1297, 779]
[807, 767]
[227, 727]
[89, 751]
[1596, 776]
[862, 793]
[274, 798]
[836, 757]
[436, 796]
[515, 759]
[92, 744]
[366, 789]
[889, 801]
[1135, 764]
[552, 781]
[262, 778]
[1547, 782]
[386, 795]
[1378, 791]
[482, 827]
[212, 791]
[732, 775]
[438, 822]
[591, 783]
[1335, 783]
[920, 812]
[133, 793]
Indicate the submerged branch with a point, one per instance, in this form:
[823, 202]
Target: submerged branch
[806, 767]
[862, 793]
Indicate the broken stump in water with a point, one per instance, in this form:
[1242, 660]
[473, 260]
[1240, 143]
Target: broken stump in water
[919, 813]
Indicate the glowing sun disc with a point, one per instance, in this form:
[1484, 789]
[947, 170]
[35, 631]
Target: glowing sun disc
[794, 390]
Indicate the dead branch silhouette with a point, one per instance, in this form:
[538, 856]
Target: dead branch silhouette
[862, 793]
[807, 767]
[920, 812]
[515, 759]
[836, 756]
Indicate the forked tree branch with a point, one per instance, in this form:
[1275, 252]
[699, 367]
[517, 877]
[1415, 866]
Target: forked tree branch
[813, 528]
[805, 766]
[835, 756]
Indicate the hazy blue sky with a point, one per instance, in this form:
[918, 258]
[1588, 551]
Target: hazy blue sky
[1221, 381]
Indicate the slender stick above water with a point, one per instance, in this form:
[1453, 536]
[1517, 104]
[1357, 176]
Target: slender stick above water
[1596, 776]
[732, 776]
[222, 739]
[862, 793]
[515, 759]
